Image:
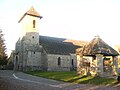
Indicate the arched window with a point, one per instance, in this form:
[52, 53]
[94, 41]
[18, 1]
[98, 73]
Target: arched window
[34, 52]
[59, 61]
[72, 62]
[34, 23]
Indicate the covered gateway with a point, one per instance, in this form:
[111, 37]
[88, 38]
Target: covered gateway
[101, 58]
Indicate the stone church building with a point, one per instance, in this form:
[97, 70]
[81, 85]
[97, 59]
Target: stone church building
[36, 52]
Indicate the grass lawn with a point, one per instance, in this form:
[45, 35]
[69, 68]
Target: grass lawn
[74, 77]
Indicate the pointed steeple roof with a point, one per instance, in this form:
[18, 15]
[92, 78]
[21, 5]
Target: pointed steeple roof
[98, 46]
[31, 12]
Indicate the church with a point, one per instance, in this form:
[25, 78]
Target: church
[37, 52]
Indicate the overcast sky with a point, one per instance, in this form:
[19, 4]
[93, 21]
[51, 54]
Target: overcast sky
[72, 19]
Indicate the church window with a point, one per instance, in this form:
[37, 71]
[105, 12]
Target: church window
[34, 23]
[72, 62]
[59, 61]
[34, 52]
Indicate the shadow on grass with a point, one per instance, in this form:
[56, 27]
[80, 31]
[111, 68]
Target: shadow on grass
[117, 84]
[99, 81]
[94, 80]
[75, 79]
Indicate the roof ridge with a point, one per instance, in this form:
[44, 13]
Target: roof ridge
[32, 11]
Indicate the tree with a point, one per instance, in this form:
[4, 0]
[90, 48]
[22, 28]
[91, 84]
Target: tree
[3, 55]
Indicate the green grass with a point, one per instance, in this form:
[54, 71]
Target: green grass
[74, 77]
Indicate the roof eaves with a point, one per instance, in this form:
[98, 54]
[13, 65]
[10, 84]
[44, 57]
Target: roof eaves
[30, 15]
[22, 18]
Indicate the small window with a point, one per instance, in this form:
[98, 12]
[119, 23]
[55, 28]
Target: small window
[16, 58]
[33, 23]
[33, 37]
[34, 52]
[72, 62]
[59, 61]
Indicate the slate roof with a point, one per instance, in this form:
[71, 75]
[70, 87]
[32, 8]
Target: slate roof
[31, 12]
[60, 46]
[98, 46]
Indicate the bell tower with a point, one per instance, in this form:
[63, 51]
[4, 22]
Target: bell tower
[28, 47]
[29, 23]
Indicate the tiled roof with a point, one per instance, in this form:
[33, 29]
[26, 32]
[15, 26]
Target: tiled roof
[60, 46]
[31, 12]
[98, 46]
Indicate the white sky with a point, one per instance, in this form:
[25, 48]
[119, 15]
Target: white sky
[73, 19]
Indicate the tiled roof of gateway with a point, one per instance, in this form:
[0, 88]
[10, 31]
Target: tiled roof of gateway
[98, 46]
[31, 12]
[60, 46]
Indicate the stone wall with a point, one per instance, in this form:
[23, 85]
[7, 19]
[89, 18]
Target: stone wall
[31, 38]
[44, 61]
[33, 58]
[36, 61]
[73, 62]
[65, 64]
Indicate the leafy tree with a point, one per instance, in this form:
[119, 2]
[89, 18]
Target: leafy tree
[3, 55]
